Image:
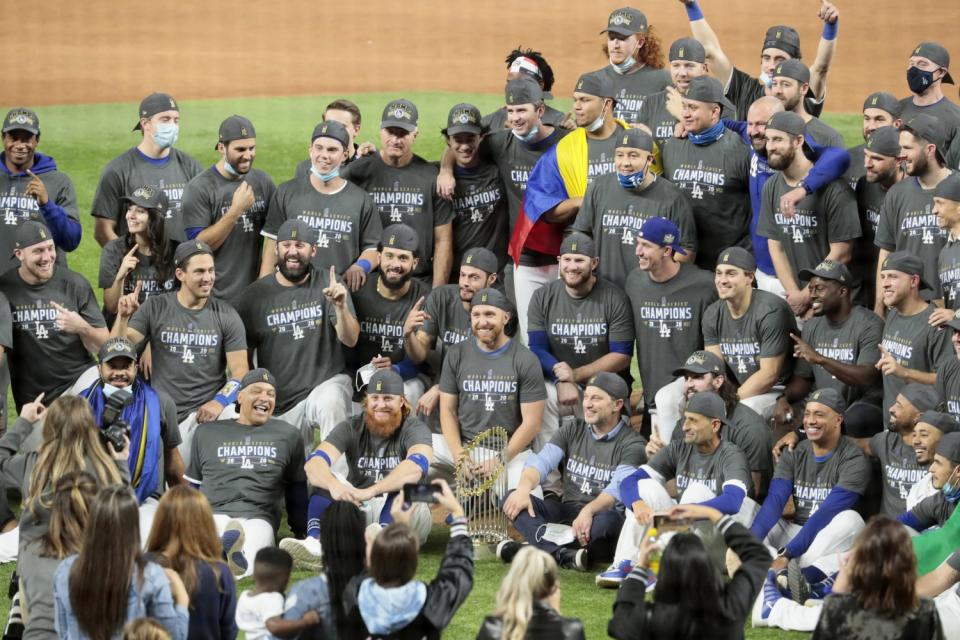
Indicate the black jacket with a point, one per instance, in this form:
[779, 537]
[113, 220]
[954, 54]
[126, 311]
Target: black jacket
[545, 624]
[445, 593]
[633, 617]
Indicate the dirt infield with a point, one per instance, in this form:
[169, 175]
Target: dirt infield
[105, 51]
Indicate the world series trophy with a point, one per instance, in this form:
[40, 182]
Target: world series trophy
[481, 478]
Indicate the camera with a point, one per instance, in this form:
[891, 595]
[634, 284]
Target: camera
[113, 429]
[419, 492]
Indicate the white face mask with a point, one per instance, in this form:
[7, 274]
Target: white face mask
[109, 389]
[166, 134]
[624, 66]
[559, 534]
[766, 80]
[529, 136]
[596, 124]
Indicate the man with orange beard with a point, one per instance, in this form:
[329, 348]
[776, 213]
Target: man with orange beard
[385, 447]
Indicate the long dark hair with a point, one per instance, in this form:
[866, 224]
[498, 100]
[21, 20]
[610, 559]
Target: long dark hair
[689, 590]
[344, 551]
[102, 573]
[160, 256]
[883, 568]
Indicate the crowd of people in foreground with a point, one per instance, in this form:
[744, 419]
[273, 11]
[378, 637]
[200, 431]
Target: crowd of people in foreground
[342, 348]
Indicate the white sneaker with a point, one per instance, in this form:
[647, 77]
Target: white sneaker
[307, 553]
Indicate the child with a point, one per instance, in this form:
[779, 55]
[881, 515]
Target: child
[271, 573]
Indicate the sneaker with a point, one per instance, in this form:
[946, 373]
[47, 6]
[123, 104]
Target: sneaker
[507, 549]
[771, 595]
[232, 541]
[650, 582]
[307, 553]
[797, 583]
[615, 574]
[573, 559]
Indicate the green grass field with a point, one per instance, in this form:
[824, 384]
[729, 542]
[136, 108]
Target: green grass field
[83, 138]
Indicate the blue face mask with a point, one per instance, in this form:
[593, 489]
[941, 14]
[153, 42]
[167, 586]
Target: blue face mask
[529, 136]
[632, 181]
[766, 80]
[325, 177]
[624, 66]
[706, 137]
[229, 169]
[166, 135]
[918, 80]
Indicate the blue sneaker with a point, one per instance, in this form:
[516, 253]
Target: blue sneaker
[232, 541]
[615, 574]
[771, 594]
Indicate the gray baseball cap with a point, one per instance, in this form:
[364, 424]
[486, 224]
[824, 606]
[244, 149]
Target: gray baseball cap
[116, 347]
[190, 248]
[611, 384]
[400, 113]
[626, 22]
[523, 90]
[595, 83]
[828, 270]
[296, 229]
[884, 141]
[331, 129]
[579, 244]
[793, 69]
[387, 382]
[707, 404]
[829, 398]
[905, 263]
[235, 128]
[30, 233]
[148, 197]
[22, 119]
[949, 188]
[481, 258]
[883, 101]
[257, 375]
[929, 128]
[400, 236]
[937, 54]
[738, 257]
[788, 122]
[153, 104]
[944, 422]
[923, 397]
[784, 38]
[687, 49]
[701, 362]
[491, 297]
[949, 446]
[463, 118]
[705, 89]
[635, 139]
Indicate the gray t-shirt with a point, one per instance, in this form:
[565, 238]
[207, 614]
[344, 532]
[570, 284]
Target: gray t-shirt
[346, 222]
[146, 271]
[16, 207]
[132, 169]
[190, 347]
[856, 170]
[667, 317]
[826, 216]
[682, 461]
[899, 468]
[948, 384]
[497, 120]
[580, 330]
[933, 511]
[405, 195]
[371, 458]
[44, 359]
[613, 216]
[823, 134]
[206, 199]
[948, 271]
[866, 253]
[448, 323]
[907, 223]
[381, 321]
[845, 466]
[655, 115]
[293, 331]
[944, 110]
[715, 177]
[600, 154]
[589, 462]
[854, 341]
[762, 332]
[490, 387]
[243, 470]
[743, 89]
[630, 90]
[480, 215]
[914, 344]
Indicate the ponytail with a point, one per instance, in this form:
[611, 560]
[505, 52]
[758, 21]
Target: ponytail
[532, 577]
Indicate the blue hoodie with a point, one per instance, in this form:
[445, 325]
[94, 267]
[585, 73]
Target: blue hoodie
[66, 230]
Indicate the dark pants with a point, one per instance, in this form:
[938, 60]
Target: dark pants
[604, 530]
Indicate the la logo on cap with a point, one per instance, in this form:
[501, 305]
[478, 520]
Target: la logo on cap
[816, 395]
[483, 298]
[625, 139]
[510, 98]
[173, 105]
[779, 66]
[324, 129]
[874, 101]
[573, 246]
[779, 33]
[580, 85]
[917, 50]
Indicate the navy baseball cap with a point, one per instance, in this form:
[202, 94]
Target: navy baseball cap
[937, 54]
[662, 232]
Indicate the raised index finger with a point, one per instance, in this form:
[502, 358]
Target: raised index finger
[333, 275]
[132, 252]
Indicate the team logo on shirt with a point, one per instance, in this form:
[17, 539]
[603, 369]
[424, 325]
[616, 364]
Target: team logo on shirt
[922, 223]
[295, 318]
[580, 331]
[626, 224]
[248, 453]
[666, 316]
[476, 207]
[489, 388]
[331, 226]
[699, 179]
[900, 348]
[742, 356]
[397, 203]
[36, 318]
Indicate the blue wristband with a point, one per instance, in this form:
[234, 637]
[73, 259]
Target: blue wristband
[364, 264]
[830, 30]
[320, 454]
[693, 11]
[228, 395]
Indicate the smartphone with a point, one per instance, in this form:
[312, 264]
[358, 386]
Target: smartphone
[419, 492]
[665, 523]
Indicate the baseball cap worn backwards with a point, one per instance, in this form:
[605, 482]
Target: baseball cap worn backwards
[579, 244]
[949, 446]
[923, 397]
[793, 69]
[297, 230]
[662, 232]
[400, 236]
[30, 233]
[148, 197]
[386, 382]
[738, 257]
[626, 22]
[949, 188]
[595, 84]
[701, 362]
[829, 398]
[705, 89]
[522, 91]
[493, 298]
[937, 54]
[331, 129]
[929, 128]
[884, 141]
[905, 263]
[883, 101]
[116, 347]
[784, 38]
[944, 422]
[635, 139]
[611, 384]
[829, 270]
[480, 258]
[687, 49]
[235, 128]
[255, 376]
[788, 122]
[463, 118]
[400, 113]
[190, 248]
[21, 119]
[153, 104]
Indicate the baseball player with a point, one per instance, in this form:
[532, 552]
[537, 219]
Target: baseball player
[33, 188]
[226, 205]
[935, 510]
[926, 75]
[713, 169]
[948, 375]
[344, 216]
[790, 83]
[153, 161]
[823, 224]
[931, 426]
[946, 206]
[635, 62]
[880, 109]
[347, 113]
[616, 206]
[404, 188]
[529, 64]
[194, 339]
[299, 311]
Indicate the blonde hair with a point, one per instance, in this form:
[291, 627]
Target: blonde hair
[71, 441]
[145, 629]
[532, 577]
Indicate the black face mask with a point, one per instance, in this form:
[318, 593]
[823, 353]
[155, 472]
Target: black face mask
[918, 80]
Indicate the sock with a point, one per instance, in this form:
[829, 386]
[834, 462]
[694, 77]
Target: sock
[822, 589]
[771, 594]
[317, 505]
[385, 517]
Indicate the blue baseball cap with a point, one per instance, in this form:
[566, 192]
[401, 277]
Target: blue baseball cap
[662, 232]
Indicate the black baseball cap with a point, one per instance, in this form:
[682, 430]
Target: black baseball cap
[905, 263]
[701, 362]
[794, 69]
[148, 197]
[829, 398]
[463, 118]
[30, 233]
[524, 90]
[296, 229]
[687, 49]
[884, 141]
[480, 258]
[595, 83]
[705, 89]
[937, 54]
[153, 104]
[635, 139]
[21, 119]
[626, 22]
[949, 188]
[784, 38]
[788, 122]
[190, 248]
[235, 128]
[829, 270]
[331, 129]
[400, 113]
[579, 244]
[257, 375]
[400, 236]
[738, 257]
[116, 347]
[883, 101]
